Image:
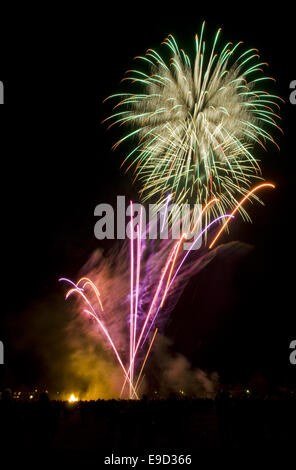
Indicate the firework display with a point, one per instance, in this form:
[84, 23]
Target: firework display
[193, 127]
[148, 165]
[193, 122]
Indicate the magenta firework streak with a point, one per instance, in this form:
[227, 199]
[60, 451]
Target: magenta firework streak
[154, 274]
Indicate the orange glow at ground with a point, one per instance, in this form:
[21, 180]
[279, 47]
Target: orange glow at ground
[72, 398]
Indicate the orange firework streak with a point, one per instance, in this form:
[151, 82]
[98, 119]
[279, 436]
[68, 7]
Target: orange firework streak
[172, 267]
[178, 247]
[146, 357]
[203, 211]
[263, 185]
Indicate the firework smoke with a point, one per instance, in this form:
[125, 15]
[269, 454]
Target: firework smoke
[176, 375]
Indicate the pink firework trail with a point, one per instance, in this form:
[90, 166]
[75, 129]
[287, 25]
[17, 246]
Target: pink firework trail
[171, 266]
[157, 301]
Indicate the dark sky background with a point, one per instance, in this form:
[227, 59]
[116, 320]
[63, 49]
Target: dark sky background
[57, 165]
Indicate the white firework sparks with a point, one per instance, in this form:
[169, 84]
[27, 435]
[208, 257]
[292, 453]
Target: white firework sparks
[194, 126]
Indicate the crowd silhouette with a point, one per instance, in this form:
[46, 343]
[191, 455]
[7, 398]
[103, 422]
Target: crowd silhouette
[173, 424]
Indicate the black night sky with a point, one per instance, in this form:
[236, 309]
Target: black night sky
[57, 165]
